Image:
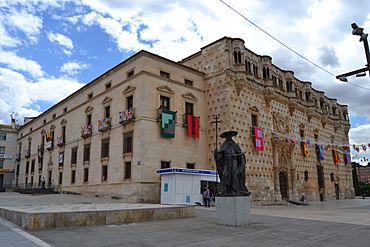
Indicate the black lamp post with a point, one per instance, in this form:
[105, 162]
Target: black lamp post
[359, 31]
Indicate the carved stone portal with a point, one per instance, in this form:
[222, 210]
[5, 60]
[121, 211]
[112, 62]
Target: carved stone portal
[284, 171]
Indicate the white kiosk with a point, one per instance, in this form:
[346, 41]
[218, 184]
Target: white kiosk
[184, 186]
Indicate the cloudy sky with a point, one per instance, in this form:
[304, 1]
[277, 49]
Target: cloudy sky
[51, 48]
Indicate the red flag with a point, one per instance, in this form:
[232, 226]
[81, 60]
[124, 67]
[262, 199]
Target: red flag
[190, 125]
[196, 127]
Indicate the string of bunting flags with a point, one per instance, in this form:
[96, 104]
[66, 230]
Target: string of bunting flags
[306, 144]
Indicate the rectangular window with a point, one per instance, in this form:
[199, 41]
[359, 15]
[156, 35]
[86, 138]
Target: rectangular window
[2, 164]
[2, 149]
[32, 181]
[88, 119]
[65, 109]
[189, 108]
[90, 95]
[60, 178]
[54, 116]
[165, 164]
[164, 74]
[64, 134]
[127, 170]
[27, 166]
[32, 166]
[86, 152]
[86, 175]
[104, 148]
[129, 102]
[61, 159]
[73, 176]
[254, 120]
[74, 156]
[108, 85]
[127, 142]
[104, 173]
[50, 177]
[130, 73]
[164, 102]
[18, 168]
[188, 82]
[107, 112]
[301, 133]
[2, 136]
[190, 165]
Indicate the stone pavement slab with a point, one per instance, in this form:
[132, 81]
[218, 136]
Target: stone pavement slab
[325, 224]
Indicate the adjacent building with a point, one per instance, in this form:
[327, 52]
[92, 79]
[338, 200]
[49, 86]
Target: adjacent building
[363, 172]
[8, 144]
[110, 137]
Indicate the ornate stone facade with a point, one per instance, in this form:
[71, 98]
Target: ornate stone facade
[105, 138]
[243, 87]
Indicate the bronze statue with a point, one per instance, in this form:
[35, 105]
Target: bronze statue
[230, 161]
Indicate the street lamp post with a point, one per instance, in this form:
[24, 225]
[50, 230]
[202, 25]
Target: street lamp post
[359, 31]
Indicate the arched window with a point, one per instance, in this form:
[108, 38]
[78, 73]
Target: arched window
[237, 57]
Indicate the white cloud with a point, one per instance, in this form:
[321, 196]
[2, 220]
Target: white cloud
[25, 21]
[15, 86]
[15, 62]
[61, 40]
[72, 68]
[360, 134]
[6, 40]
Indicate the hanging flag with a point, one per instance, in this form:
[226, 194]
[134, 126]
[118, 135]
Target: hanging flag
[193, 126]
[168, 124]
[259, 138]
[335, 155]
[347, 157]
[364, 148]
[305, 149]
[319, 152]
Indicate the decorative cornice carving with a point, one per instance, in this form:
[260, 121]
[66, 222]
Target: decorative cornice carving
[106, 100]
[189, 96]
[89, 109]
[165, 89]
[254, 109]
[128, 89]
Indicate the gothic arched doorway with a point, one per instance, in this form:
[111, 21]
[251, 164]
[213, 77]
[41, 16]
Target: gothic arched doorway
[283, 181]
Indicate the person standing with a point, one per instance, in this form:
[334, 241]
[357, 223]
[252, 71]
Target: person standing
[43, 182]
[207, 197]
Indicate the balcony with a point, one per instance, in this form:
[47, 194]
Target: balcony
[126, 116]
[104, 124]
[6, 156]
[49, 145]
[60, 141]
[86, 131]
[27, 153]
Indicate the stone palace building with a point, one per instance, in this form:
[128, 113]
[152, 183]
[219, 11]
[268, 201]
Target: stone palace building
[110, 137]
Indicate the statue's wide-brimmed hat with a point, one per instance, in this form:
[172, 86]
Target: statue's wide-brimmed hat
[230, 133]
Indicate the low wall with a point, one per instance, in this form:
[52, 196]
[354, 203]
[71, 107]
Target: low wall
[48, 220]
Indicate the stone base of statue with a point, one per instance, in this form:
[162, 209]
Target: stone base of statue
[233, 210]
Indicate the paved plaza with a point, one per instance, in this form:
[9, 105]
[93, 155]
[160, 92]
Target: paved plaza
[333, 223]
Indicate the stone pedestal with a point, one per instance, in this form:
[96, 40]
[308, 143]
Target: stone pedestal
[233, 210]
